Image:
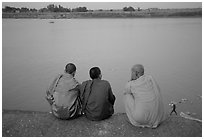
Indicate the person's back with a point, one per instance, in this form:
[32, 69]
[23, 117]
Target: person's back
[64, 92]
[97, 98]
[143, 101]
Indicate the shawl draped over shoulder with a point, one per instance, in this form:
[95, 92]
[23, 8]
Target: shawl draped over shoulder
[143, 102]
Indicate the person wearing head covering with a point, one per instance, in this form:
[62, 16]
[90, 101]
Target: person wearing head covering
[143, 100]
[63, 94]
[97, 97]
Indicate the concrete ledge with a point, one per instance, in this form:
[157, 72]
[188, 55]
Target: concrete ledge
[36, 124]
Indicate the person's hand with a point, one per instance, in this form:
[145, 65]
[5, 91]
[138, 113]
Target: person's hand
[50, 99]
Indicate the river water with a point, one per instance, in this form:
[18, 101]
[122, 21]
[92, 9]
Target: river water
[34, 51]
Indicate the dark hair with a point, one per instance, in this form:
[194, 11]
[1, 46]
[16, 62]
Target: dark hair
[94, 72]
[70, 68]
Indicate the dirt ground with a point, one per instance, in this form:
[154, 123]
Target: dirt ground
[43, 124]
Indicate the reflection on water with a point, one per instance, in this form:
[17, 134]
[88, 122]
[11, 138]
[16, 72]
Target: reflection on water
[35, 51]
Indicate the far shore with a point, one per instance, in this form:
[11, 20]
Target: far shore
[196, 12]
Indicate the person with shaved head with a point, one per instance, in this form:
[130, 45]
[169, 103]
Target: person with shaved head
[143, 100]
[63, 94]
[97, 97]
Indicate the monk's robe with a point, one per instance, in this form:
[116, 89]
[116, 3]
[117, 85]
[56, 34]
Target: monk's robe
[143, 102]
[97, 99]
[64, 98]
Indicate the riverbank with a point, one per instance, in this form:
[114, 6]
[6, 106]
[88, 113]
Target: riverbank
[148, 13]
[42, 124]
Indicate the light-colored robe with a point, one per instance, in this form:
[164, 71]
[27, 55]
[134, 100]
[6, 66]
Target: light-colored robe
[64, 97]
[143, 102]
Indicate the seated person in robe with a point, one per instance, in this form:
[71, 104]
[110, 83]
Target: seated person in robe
[143, 100]
[97, 97]
[63, 95]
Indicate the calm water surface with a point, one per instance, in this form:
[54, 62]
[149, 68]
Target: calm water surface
[35, 51]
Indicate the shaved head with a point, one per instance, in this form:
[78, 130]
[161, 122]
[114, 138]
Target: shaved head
[70, 68]
[138, 68]
[137, 71]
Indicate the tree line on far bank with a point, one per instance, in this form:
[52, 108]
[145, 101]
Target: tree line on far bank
[55, 8]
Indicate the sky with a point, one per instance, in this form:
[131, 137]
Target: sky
[94, 5]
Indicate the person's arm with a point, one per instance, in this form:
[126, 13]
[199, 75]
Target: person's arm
[76, 88]
[127, 90]
[111, 95]
[49, 92]
[82, 88]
